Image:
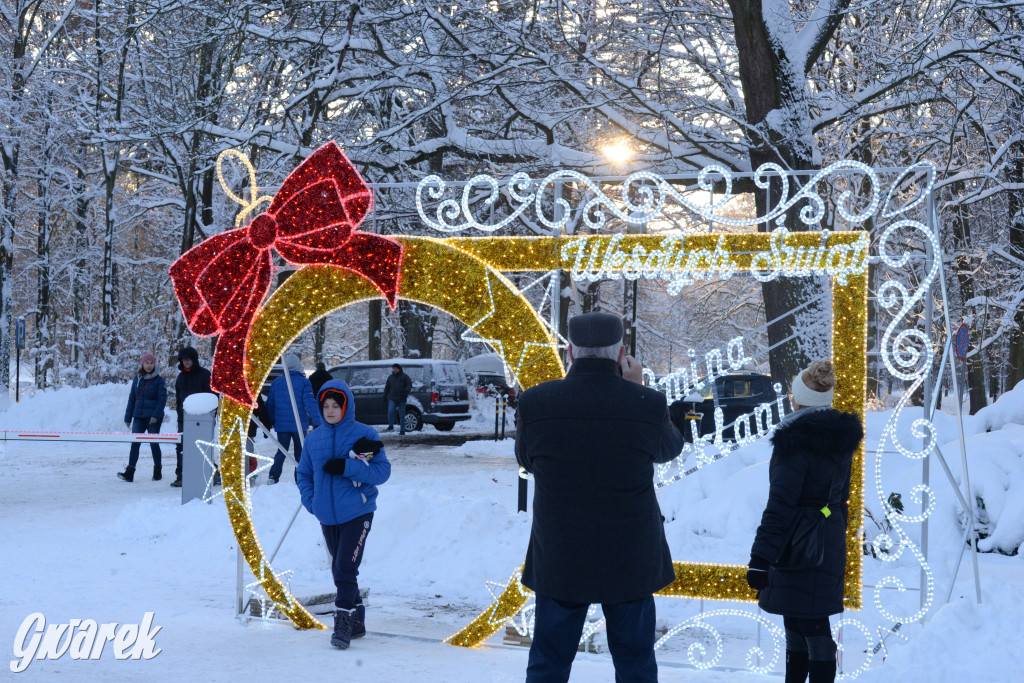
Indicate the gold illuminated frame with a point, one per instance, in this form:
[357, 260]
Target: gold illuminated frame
[464, 277]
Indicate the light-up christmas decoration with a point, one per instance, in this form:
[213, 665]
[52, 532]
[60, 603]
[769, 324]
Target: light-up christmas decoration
[312, 219]
[464, 277]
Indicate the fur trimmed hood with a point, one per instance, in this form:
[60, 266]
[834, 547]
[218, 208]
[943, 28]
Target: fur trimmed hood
[828, 433]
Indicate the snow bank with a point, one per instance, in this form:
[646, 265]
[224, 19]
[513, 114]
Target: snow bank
[97, 408]
[200, 404]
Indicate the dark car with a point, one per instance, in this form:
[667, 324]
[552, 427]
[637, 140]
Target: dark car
[737, 394]
[491, 385]
[439, 393]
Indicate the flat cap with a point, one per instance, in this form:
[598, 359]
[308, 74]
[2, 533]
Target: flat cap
[595, 329]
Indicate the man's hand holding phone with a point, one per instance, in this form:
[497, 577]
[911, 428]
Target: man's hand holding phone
[631, 369]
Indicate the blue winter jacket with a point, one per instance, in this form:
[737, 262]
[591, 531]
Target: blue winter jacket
[333, 498]
[280, 406]
[147, 397]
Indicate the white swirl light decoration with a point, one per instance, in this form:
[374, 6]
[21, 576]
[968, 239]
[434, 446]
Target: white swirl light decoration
[653, 192]
[869, 653]
[697, 652]
[907, 354]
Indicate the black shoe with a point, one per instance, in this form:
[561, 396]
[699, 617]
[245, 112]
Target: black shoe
[176, 483]
[359, 622]
[390, 429]
[128, 474]
[822, 672]
[157, 476]
[342, 628]
[271, 481]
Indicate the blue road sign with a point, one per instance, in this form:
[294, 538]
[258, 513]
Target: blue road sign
[962, 337]
[19, 333]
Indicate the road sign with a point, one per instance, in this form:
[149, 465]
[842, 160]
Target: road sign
[19, 333]
[962, 337]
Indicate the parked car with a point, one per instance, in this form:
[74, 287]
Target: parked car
[439, 396]
[737, 394]
[495, 385]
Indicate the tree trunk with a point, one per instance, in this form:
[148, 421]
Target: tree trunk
[375, 319]
[1015, 351]
[773, 83]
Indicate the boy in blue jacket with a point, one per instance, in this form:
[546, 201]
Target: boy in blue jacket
[338, 475]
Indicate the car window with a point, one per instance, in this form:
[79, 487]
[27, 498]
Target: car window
[743, 388]
[374, 376]
[340, 373]
[450, 373]
[419, 374]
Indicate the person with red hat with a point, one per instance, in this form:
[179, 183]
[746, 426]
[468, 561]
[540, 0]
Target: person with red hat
[145, 413]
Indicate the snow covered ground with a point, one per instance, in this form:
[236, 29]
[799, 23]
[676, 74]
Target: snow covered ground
[77, 543]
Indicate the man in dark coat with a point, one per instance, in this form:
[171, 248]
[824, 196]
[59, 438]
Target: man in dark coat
[319, 377]
[396, 393]
[591, 440]
[192, 379]
[810, 468]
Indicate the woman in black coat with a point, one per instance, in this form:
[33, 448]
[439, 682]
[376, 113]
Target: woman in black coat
[810, 467]
[145, 413]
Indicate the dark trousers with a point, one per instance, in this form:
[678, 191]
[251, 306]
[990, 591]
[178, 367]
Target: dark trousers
[396, 410]
[177, 447]
[345, 543]
[286, 439]
[556, 636]
[813, 636]
[141, 425]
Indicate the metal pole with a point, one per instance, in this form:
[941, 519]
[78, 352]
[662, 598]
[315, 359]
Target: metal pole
[497, 400]
[504, 406]
[17, 376]
[929, 390]
[959, 422]
[239, 590]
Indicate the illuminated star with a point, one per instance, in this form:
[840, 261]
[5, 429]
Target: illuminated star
[256, 589]
[511, 374]
[211, 454]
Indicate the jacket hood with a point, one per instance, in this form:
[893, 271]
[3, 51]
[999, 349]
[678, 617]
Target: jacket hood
[350, 410]
[293, 363]
[827, 433]
[188, 352]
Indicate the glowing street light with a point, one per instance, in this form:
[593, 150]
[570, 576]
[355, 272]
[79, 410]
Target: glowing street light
[617, 153]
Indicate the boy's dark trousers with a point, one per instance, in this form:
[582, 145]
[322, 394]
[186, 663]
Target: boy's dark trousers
[345, 543]
[558, 627]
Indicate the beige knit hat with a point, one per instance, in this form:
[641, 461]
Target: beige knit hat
[812, 387]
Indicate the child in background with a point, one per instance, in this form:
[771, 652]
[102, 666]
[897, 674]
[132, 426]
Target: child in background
[342, 465]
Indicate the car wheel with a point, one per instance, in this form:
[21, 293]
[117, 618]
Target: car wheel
[413, 420]
[444, 426]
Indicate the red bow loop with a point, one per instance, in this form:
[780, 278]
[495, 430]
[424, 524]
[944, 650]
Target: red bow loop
[313, 219]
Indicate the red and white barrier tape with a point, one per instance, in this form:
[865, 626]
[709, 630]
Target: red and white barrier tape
[101, 437]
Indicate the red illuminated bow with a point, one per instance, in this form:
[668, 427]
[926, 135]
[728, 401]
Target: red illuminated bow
[312, 219]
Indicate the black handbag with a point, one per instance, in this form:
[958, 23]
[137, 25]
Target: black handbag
[805, 544]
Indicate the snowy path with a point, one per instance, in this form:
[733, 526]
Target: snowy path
[77, 543]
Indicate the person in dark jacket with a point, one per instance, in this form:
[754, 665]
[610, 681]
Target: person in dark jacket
[591, 441]
[396, 393]
[145, 413]
[192, 379]
[344, 463]
[291, 428]
[319, 377]
[812, 454]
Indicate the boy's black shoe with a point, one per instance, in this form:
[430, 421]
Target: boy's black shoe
[359, 622]
[176, 483]
[342, 628]
[128, 474]
[156, 473]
